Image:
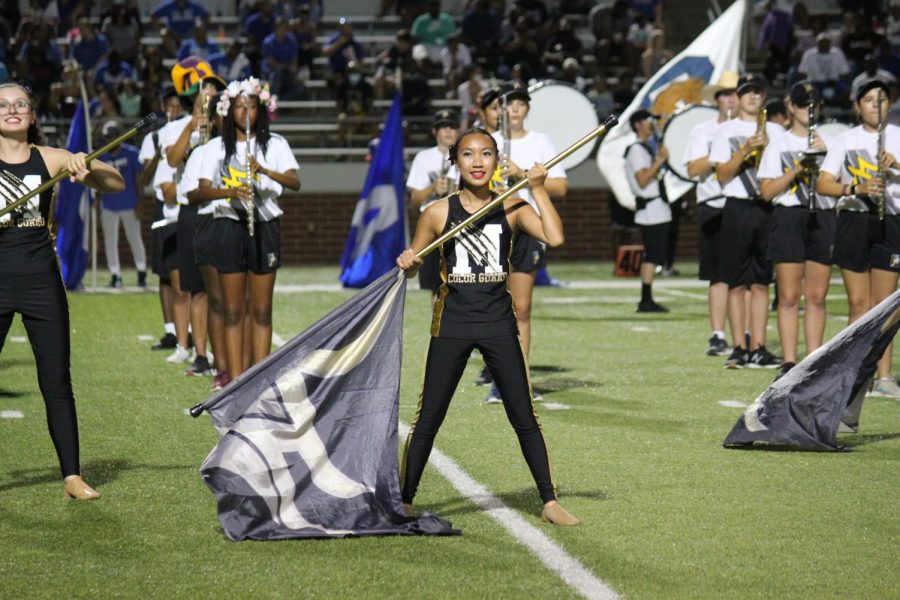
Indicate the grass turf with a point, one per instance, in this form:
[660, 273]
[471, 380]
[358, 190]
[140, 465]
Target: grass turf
[668, 513]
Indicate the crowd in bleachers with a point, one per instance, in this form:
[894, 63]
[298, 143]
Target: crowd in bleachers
[439, 52]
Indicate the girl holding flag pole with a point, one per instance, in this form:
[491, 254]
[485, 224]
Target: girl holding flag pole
[30, 282]
[474, 309]
[249, 166]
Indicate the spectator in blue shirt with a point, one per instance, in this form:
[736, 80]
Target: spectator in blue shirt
[341, 48]
[260, 24]
[231, 65]
[179, 16]
[199, 45]
[279, 65]
[111, 71]
[88, 47]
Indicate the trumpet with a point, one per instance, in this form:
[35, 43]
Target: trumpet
[248, 203]
[756, 154]
[879, 150]
[507, 143]
[204, 129]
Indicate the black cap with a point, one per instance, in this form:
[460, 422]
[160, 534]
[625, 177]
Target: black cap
[639, 115]
[803, 92]
[445, 118]
[515, 90]
[749, 82]
[871, 85]
[489, 96]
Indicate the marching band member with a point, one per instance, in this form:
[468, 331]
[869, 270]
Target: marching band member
[735, 152]
[475, 310]
[431, 176]
[643, 165]
[802, 227]
[30, 282]
[528, 255]
[711, 202]
[250, 166]
[867, 247]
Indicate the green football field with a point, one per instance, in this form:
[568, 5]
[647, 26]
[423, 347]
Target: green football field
[635, 416]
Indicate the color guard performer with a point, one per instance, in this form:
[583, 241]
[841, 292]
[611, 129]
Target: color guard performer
[736, 151]
[861, 170]
[802, 227]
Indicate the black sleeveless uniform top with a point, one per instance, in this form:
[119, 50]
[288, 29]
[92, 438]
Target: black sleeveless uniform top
[474, 301]
[25, 245]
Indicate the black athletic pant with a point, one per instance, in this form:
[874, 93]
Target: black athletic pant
[445, 364]
[41, 300]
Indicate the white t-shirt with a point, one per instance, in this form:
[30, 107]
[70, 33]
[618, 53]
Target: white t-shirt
[784, 154]
[147, 152]
[278, 157]
[824, 66]
[190, 180]
[699, 143]
[525, 151]
[729, 137]
[426, 167]
[850, 160]
[657, 211]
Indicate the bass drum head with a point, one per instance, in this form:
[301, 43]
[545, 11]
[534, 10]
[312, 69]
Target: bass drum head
[565, 114]
[678, 130]
[833, 129]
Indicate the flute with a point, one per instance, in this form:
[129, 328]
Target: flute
[879, 150]
[505, 152]
[248, 203]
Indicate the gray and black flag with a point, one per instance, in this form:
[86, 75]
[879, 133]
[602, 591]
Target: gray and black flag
[805, 409]
[309, 435]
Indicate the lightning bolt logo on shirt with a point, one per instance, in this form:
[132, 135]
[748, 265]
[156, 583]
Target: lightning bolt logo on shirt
[236, 177]
[860, 165]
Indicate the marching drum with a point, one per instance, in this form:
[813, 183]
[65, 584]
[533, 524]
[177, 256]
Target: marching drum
[678, 130]
[559, 110]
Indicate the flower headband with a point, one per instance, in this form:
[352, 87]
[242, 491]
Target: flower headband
[250, 87]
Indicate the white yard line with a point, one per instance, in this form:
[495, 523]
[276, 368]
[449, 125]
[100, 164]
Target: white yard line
[568, 568]
[11, 414]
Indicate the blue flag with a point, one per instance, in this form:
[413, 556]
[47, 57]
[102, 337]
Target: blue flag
[72, 209]
[378, 231]
[309, 444]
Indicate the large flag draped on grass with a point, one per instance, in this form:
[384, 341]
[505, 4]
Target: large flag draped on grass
[378, 230]
[805, 409]
[73, 211]
[715, 51]
[309, 445]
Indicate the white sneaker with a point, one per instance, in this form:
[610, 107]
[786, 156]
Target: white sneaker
[493, 396]
[179, 356]
[537, 396]
[886, 387]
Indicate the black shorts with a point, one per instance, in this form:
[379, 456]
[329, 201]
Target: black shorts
[864, 242]
[709, 243]
[156, 245]
[205, 238]
[430, 273]
[188, 273]
[237, 252]
[656, 242]
[165, 245]
[798, 234]
[528, 254]
[745, 242]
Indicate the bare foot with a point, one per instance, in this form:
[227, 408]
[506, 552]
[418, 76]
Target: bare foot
[76, 488]
[554, 513]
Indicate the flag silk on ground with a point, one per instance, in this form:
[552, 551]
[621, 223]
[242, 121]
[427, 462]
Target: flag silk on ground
[73, 212]
[309, 444]
[378, 231]
[676, 84]
[804, 409]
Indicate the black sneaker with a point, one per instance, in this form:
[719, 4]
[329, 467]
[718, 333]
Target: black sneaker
[115, 282]
[717, 346]
[484, 377]
[785, 367]
[200, 367]
[142, 279]
[166, 342]
[763, 359]
[651, 307]
[737, 359]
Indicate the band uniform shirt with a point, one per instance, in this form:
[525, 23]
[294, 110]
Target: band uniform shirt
[25, 243]
[190, 180]
[784, 154]
[730, 136]
[533, 147]
[657, 210]
[851, 159]
[474, 301]
[426, 167]
[149, 147]
[165, 173]
[278, 157]
[700, 141]
[127, 164]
